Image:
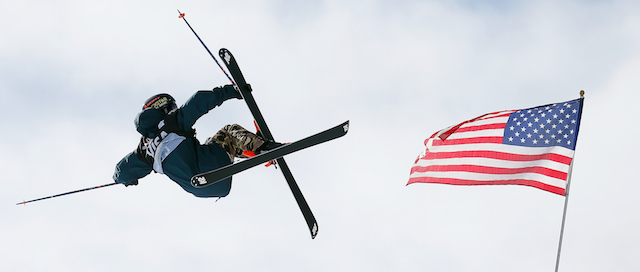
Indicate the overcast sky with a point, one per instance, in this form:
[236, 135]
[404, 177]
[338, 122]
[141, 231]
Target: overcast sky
[73, 75]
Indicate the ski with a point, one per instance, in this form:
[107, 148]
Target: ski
[211, 177]
[245, 90]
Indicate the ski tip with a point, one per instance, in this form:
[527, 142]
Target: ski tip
[225, 55]
[345, 126]
[199, 181]
[314, 230]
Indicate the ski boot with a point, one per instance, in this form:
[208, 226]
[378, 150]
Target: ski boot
[266, 146]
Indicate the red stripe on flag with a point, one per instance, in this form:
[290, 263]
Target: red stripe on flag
[491, 170]
[482, 127]
[525, 182]
[476, 140]
[498, 156]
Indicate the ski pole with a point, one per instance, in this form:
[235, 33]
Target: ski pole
[205, 47]
[67, 193]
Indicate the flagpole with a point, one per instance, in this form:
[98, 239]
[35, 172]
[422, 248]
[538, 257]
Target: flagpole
[566, 195]
[564, 214]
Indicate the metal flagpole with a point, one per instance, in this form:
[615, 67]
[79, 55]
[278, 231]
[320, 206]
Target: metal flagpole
[564, 214]
[566, 192]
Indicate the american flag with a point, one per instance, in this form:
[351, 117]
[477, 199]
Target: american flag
[532, 147]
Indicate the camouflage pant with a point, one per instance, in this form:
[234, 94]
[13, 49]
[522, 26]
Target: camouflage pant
[235, 140]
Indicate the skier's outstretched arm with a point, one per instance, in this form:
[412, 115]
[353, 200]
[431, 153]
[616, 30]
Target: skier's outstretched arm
[130, 169]
[202, 102]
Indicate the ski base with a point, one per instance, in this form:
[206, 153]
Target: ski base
[211, 177]
[245, 90]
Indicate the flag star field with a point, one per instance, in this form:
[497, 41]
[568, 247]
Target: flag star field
[544, 126]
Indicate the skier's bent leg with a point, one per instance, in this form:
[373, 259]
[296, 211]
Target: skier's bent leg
[223, 138]
[238, 141]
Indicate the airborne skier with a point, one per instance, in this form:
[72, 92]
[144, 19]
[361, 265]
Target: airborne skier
[168, 144]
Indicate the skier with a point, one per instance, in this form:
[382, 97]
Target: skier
[168, 144]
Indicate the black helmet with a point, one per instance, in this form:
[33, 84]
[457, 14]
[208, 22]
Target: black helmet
[164, 102]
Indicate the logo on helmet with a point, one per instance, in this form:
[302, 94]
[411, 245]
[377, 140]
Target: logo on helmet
[157, 103]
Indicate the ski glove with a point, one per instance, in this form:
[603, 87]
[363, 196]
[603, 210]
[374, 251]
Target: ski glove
[134, 182]
[236, 91]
